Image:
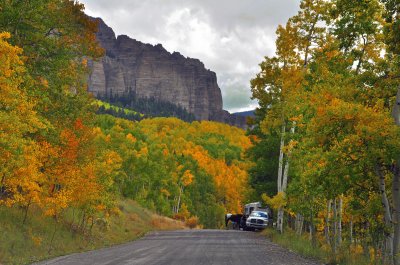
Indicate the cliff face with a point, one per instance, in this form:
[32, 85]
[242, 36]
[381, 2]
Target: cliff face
[131, 68]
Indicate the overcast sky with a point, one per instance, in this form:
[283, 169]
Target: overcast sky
[231, 37]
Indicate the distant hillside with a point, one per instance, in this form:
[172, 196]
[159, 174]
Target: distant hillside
[249, 113]
[173, 167]
[141, 108]
[132, 69]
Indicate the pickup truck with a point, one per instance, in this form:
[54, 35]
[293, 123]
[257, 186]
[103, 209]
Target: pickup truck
[257, 220]
[254, 217]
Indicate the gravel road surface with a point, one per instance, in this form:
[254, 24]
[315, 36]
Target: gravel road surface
[190, 247]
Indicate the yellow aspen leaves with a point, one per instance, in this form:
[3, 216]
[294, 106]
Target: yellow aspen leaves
[131, 138]
[276, 202]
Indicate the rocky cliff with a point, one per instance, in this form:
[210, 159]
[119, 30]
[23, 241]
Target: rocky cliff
[134, 69]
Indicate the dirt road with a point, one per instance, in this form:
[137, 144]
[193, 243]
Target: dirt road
[190, 247]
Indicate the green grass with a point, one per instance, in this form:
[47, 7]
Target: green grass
[303, 246]
[298, 244]
[30, 242]
[108, 106]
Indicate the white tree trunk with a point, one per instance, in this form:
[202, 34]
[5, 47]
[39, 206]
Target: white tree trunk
[279, 225]
[285, 174]
[327, 222]
[280, 220]
[340, 221]
[351, 230]
[396, 109]
[178, 206]
[396, 214]
[335, 227]
[396, 190]
[174, 206]
[280, 169]
[286, 171]
[299, 224]
[283, 178]
[388, 216]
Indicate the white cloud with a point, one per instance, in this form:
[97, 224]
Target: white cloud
[184, 27]
[231, 37]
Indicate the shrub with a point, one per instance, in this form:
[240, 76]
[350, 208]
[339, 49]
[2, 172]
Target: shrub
[192, 222]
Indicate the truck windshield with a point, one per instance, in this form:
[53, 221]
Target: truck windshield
[259, 214]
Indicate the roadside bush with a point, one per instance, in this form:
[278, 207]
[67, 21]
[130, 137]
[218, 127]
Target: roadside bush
[192, 222]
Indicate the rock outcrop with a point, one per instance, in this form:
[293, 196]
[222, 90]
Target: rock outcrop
[132, 68]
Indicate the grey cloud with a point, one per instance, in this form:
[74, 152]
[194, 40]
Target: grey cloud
[231, 37]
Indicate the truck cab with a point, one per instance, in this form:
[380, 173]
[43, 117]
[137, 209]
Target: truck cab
[259, 220]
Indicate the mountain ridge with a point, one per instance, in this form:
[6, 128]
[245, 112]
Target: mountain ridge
[133, 69]
[247, 113]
